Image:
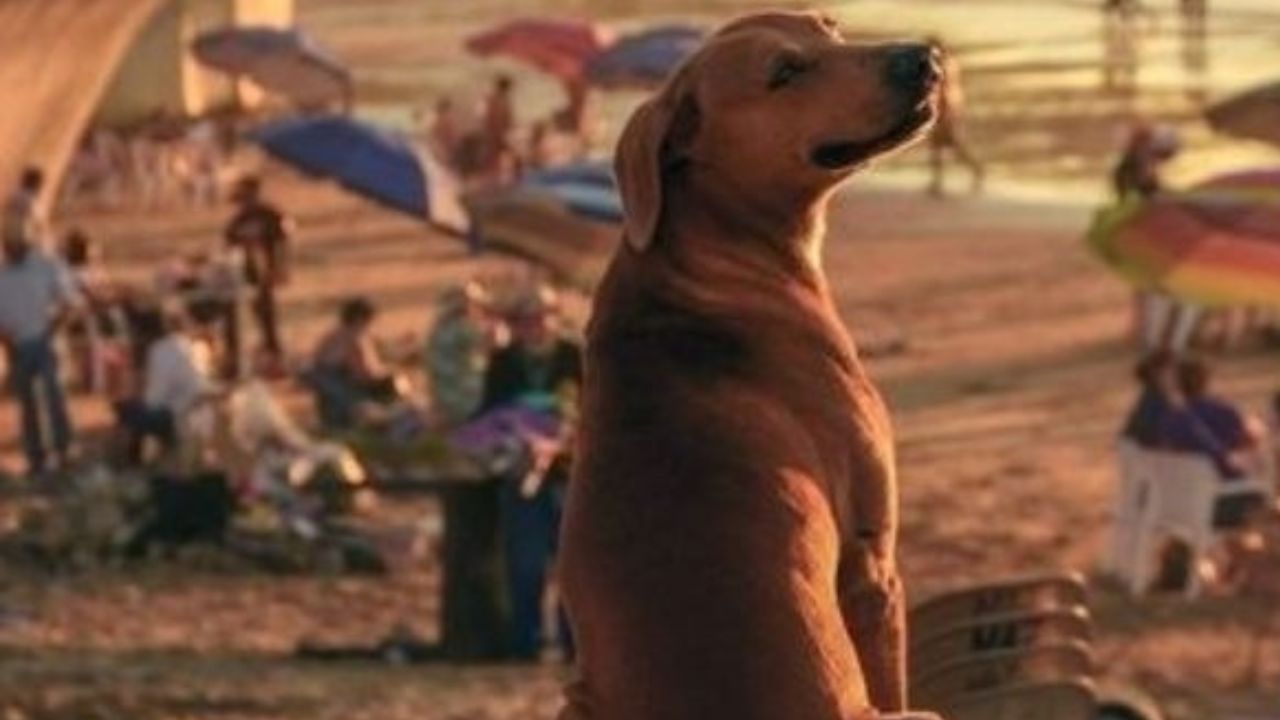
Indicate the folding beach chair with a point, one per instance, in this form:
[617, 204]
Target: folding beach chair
[1063, 700]
[999, 632]
[1027, 595]
[1002, 668]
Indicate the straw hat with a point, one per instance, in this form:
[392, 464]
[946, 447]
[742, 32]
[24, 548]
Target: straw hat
[457, 298]
[536, 301]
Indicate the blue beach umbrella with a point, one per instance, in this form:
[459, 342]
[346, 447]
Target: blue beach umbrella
[592, 202]
[376, 164]
[644, 59]
[587, 189]
[566, 218]
[586, 172]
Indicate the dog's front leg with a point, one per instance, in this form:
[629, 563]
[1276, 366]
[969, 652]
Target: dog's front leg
[871, 595]
[576, 703]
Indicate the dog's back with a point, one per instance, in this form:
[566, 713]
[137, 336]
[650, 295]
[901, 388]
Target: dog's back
[699, 523]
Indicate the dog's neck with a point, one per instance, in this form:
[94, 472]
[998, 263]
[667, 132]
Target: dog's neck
[786, 229]
[755, 265]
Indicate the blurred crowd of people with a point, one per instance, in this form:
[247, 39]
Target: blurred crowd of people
[487, 147]
[1124, 25]
[162, 162]
[499, 376]
[1179, 410]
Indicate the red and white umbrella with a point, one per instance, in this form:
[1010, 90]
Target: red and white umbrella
[562, 48]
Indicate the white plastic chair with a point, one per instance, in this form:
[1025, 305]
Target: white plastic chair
[1184, 491]
[1132, 495]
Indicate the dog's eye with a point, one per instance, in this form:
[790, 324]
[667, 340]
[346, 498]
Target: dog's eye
[785, 70]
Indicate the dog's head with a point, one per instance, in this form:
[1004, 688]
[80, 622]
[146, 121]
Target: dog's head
[773, 106]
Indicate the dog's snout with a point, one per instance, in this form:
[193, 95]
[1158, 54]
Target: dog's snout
[914, 67]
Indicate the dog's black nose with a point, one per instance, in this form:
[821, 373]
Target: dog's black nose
[913, 67]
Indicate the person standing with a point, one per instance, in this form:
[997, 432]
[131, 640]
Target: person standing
[98, 336]
[24, 220]
[457, 351]
[259, 232]
[1120, 39]
[948, 133]
[1137, 175]
[36, 296]
[444, 132]
[498, 124]
[539, 366]
[1195, 46]
[1159, 320]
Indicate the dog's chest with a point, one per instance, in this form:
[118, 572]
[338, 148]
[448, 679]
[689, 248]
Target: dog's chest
[847, 422]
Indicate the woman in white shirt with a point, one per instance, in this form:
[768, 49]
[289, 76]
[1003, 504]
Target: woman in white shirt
[176, 378]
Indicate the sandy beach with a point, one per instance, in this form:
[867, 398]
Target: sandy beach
[1007, 394]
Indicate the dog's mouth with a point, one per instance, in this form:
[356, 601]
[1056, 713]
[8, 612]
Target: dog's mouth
[845, 154]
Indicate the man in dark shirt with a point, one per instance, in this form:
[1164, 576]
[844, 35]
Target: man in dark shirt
[543, 370]
[258, 231]
[1147, 422]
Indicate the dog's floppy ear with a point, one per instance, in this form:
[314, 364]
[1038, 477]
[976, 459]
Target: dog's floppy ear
[653, 143]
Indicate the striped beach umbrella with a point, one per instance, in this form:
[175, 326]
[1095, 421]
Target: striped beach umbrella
[562, 48]
[644, 59]
[568, 219]
[1217, 243]
[377, 164]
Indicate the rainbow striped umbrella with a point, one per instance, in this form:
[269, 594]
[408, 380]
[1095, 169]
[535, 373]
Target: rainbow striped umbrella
[1217, 243]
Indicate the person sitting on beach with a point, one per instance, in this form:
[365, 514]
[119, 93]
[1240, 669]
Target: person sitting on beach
[177, 376]
[347, 371]
[457, 350]
[1205, 424]
[1151, 413]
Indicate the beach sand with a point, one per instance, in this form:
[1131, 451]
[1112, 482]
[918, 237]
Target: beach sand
[1006, 399]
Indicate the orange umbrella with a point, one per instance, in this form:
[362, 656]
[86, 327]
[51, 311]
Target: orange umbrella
[560, 47]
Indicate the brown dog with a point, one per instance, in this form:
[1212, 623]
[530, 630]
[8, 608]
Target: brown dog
[729, 541]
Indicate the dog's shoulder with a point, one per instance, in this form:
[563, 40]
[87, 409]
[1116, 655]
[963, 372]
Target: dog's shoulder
[643, 327]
